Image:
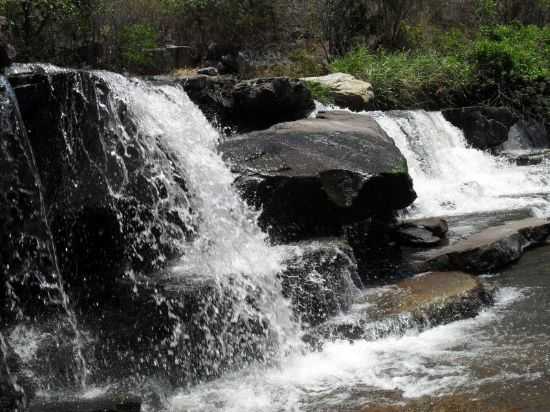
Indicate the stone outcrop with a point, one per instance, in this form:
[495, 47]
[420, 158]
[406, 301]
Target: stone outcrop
[526, 135]
[346, 90]
[488, 250]
[484, 127]
[311, 177]
[114, 198]
[249, 104]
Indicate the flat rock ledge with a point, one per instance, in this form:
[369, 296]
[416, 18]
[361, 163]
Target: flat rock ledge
[488, 250]
[425, 300]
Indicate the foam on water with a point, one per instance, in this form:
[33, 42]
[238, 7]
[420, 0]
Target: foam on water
[452, 178]
[419, 363]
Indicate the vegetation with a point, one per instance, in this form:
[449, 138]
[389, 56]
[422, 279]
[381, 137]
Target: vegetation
[451, 67]
[416, 53]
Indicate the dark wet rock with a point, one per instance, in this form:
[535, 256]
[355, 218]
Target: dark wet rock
[311, 177]
[488, 250]
[182, 328]
[213, 95]
[12, 395]
[28, 284]
[421, 233]
[484, 127]
[425, 300]
[526, 135]
[321, 280]
[250, 104]
[113, 198]
[261, 103]
[105, 403]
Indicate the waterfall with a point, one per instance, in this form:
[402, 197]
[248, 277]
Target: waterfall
[452, 178]
[228, 246]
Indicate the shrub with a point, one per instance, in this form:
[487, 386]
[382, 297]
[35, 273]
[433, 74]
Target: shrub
[134, 42]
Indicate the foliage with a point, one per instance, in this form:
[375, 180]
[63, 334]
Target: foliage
[449, 67]
[413, 79]
[135, 41]
[320, 93]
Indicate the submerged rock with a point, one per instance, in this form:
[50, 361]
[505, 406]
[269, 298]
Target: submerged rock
[488, 250]
[346, 90]
[425, 300]
[249, 104]
[311, 177]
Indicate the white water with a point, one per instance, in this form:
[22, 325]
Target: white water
[436, 361]
[452, 178]
[229, 245]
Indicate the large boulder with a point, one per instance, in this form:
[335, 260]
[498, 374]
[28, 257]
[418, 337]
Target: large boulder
[488, 250]
[346, 90]
[250, 104]
[484, 127]
[115, 199]
[311, 177]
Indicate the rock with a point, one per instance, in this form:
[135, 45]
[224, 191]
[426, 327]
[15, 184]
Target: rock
[488, 250]
[250, 104]
[425, 300]
[416, 236]
[484, 127]
[321, 280]
[114, 198]
[28, 283]
[529, 159]
[421, 233]
[346, 90]
[526, 135]
[12, 395]
[261, 103]
[7, 51]
[106, 403]
[311, 177]
[214, 96]
[208, 71]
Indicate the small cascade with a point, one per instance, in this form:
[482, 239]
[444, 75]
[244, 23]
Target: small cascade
[452, 178]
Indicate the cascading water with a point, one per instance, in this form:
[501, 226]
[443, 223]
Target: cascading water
[452, 178]
[229, 246]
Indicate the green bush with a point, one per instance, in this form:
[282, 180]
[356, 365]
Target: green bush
[320, 92]
[450, 68]
[407, 79]
[135, 40]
